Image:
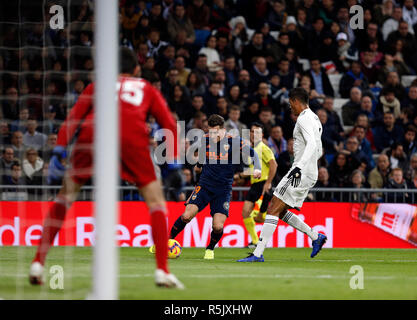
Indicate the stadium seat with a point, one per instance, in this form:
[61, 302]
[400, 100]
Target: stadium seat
[274, 34]
[406, 80]
[305, 63]
[337, 106]
[335, 81]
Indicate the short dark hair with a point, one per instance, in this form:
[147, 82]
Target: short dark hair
[266, 109]
[258, 125]
[299, 94]
[216, 120]
[127, 60]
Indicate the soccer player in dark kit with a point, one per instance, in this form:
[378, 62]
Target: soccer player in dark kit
[215, 183]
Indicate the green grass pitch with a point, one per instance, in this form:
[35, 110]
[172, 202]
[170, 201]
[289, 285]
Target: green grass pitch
[287, 273]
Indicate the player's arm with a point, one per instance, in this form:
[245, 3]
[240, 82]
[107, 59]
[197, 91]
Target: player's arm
[310, 148]
[78, 112]
[160, 110]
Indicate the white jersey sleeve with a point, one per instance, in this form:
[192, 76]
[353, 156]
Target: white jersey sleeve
[307, 143]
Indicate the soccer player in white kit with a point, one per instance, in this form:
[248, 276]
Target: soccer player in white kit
[294, 187]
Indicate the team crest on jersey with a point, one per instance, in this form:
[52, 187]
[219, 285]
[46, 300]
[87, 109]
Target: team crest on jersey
[226, 205]
[194, 197]
[226, 147]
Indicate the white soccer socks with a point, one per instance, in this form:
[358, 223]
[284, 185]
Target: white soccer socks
[294, 221]
[268, 229]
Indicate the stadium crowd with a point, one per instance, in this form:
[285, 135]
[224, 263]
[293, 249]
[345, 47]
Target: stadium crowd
[236, 58]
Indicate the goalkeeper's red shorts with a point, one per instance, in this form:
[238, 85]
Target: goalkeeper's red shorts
[136, 165]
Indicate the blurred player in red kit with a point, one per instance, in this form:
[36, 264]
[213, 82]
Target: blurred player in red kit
[137, 99]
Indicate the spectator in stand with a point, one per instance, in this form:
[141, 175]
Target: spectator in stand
[351, 108]
[197, 122]
[202, 70]
[32, 167]
[378, 176]
[365, 37]
[6, 161]
[363, 121]
[410, 13]
[220, 77]
[234, 97]
[179, 21]
[409, 141]
[353, 78]
[411, 99]
[412, 172]
[251, 113]
[366, 108]
[154, 42]
[210, 98]
[148, 70]
[231, 71]
[47, 152]
[346, 52]
[195, 84]
[397, 157]
[33, 138]
[156, 19]
[10, 105]
[383, 11]
[358, 181]
[340, 171]
[179, 102]
[5, 134]
[391, 64]
[169, 82]
[405, 33]
[49, 123]
[332, 141]
[285, 159]
[355, 156]
[333, 118]
[213, 59]
[393, 83]
[255, 48]
[17, 145]
[277, 15]
[277, 142]
[233, 126]
[389, 103]
[245, 84]
[364, 145]
[369, 68]
[21, 123]
[15, 177]
[396, 181]
[165, 61]
[199, 14]
[316, 35]
[222, 107]
[129, 19]
[286, 75]
[276, 50]
[260, 71]
[183, 72]
[392, 23]
[313, 96]
[266, 117]
[387, 133]
[323, 182]
[264, 98]
[319, 79]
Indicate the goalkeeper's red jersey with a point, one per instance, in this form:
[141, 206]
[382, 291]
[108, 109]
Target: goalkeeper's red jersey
[137, 99]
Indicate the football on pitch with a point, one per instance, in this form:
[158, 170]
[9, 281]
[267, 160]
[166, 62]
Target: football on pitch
[174, 249]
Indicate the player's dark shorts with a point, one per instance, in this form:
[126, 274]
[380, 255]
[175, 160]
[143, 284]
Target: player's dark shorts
[219, 201]
[136, 165]
[255, 193]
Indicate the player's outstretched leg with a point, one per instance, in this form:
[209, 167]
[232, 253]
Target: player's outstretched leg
[318, 239]
[152, 193]
[216, 234]
[268, 229]
[51, 226]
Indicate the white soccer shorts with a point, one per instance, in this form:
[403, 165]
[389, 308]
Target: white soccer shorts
[294, 197]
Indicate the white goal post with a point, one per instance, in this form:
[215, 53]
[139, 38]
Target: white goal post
[106, 151]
